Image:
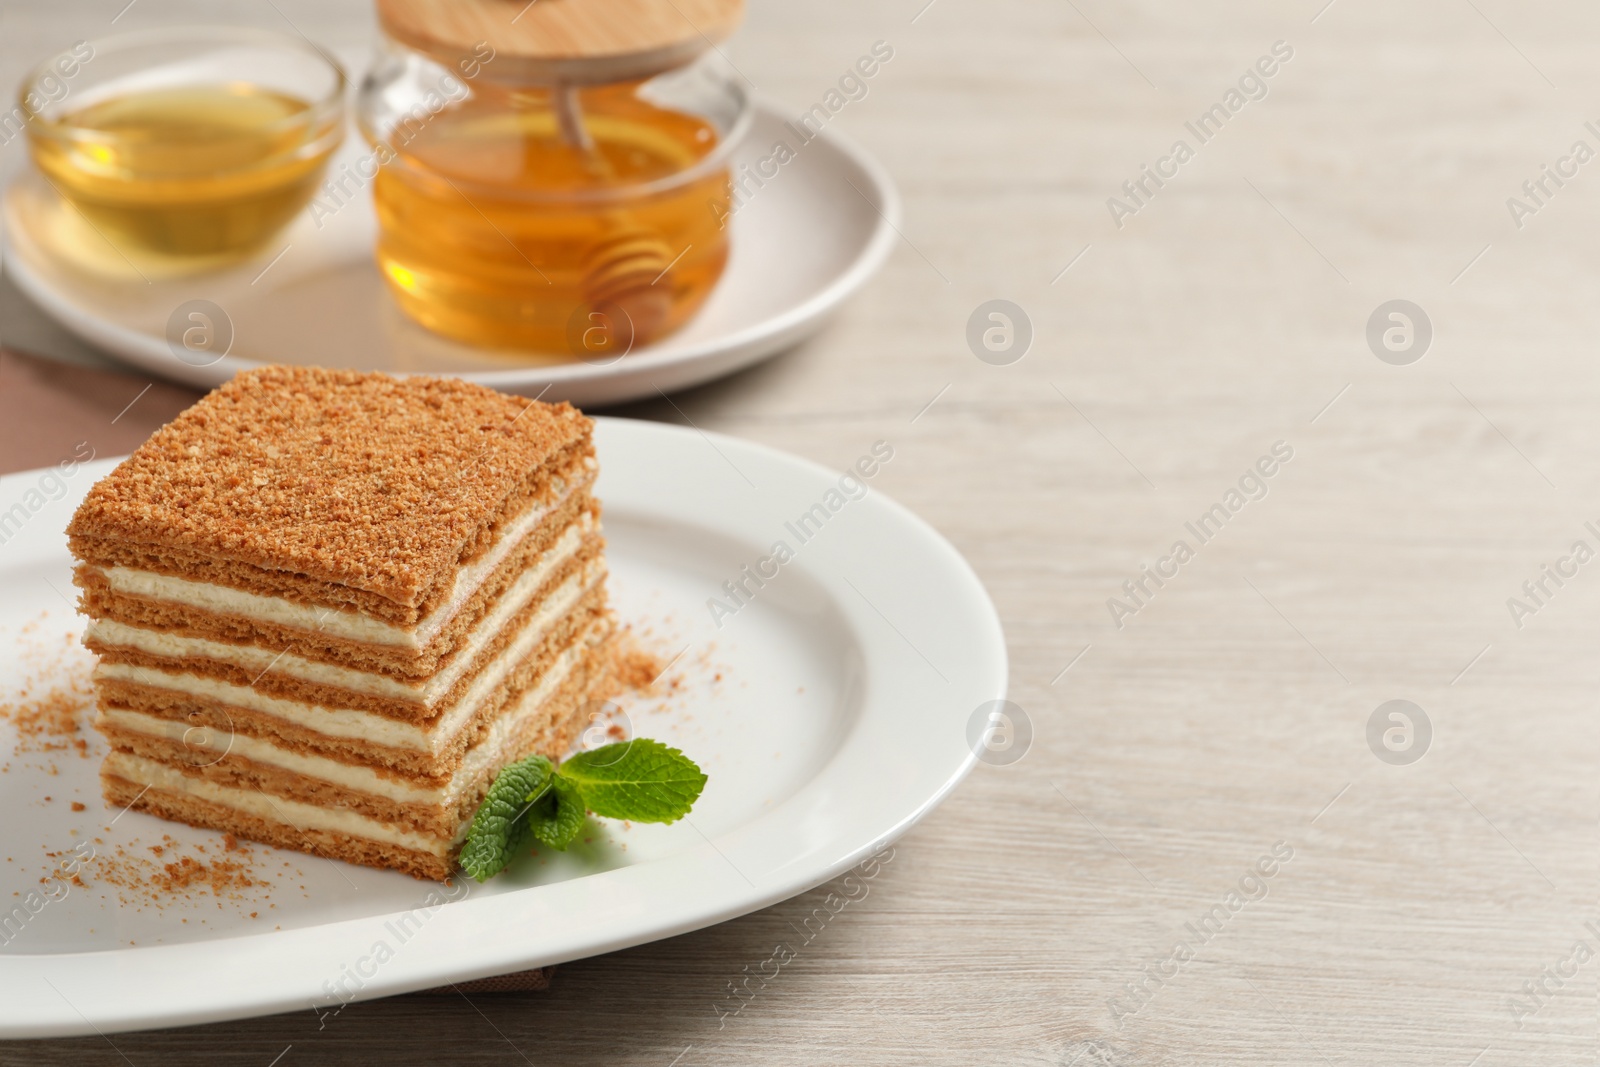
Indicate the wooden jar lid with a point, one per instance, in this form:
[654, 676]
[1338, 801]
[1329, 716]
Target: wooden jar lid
[563, 41]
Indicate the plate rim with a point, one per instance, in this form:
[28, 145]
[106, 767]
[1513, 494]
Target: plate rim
[716, 357]
[20, 973]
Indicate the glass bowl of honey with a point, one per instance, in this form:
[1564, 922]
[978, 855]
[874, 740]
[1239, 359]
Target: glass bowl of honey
[193, 143]
[573, 209]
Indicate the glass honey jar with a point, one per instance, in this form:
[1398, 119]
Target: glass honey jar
[552, 177]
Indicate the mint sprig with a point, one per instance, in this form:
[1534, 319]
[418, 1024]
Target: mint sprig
[556, 819]
[499, 829]
[532, 800]
[641, 780]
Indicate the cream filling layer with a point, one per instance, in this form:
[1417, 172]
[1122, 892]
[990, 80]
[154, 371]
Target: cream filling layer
[292, 813]
[363, 725]
[486, 754]
[114, 634]
[352, 625]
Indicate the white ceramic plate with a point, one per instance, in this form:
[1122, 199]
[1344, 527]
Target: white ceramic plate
[839, 719]
[801, 244]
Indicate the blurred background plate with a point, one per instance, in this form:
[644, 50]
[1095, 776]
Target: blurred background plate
[802, 242]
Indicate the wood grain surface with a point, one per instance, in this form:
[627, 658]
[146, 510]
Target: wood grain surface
[1074, 908]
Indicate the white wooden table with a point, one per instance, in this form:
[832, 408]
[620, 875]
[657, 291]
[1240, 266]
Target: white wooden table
[1230, 713]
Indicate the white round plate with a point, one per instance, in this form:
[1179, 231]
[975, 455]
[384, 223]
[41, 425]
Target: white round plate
[830, 711]
[800, 244]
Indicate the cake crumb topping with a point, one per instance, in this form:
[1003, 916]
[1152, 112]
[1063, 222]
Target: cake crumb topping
[366, 480]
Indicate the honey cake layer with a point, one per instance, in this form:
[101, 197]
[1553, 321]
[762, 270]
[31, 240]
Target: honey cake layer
[541, 718]
[254, 624]
[424, 753]
[353, 611]
[179, 804]
[376, 484]
[535, 603]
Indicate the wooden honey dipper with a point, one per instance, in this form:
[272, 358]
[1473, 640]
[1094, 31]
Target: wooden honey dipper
[624, 267]
[564, 45]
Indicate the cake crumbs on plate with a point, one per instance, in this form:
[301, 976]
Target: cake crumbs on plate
[54, 720]
[51, 708]
[635, 668]
[172, 870]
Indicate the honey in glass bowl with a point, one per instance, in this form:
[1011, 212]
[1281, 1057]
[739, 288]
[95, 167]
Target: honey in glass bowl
[550, 209]
[191, 143]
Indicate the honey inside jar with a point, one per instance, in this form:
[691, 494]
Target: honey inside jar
[188, 170]
[583, 225]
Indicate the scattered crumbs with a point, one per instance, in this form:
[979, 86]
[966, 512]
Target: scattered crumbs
[174, 872]
[634, 668]
[51, 708]
[218, 875]
[77, 806]
[654, 662]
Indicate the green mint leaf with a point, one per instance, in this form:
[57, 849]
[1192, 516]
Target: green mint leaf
[641, 780]
[499, 828]
[558, 816]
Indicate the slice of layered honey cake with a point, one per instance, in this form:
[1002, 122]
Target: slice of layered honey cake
[329, 607]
